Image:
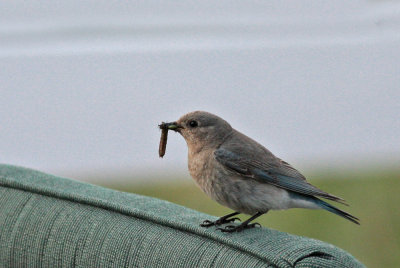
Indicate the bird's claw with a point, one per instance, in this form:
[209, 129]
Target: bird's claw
[238, 228]
[256, 224]
[208, 223]
[229, 220]
[229, 229]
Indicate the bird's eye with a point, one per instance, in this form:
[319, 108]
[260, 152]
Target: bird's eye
[193, 123]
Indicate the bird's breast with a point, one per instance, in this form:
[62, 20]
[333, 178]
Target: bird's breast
[232, 190]
[202, 169]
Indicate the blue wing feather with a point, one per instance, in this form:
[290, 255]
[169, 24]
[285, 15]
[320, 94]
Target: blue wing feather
[271, 173]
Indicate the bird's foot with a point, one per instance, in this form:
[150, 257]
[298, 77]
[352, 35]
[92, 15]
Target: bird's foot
[220, 221]
[238, 228]
[207, 223]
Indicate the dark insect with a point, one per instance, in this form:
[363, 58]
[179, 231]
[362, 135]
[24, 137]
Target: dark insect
[163, 139]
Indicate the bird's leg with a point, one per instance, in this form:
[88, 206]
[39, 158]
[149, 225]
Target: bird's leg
[222, 220]
[244, 225]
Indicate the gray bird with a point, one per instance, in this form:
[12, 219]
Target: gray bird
[241, 174]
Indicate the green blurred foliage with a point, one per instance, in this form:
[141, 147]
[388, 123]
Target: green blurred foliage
[374, 198]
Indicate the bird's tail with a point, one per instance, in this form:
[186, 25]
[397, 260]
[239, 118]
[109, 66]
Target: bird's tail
[336, 211]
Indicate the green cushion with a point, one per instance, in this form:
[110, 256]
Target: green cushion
[48, 221]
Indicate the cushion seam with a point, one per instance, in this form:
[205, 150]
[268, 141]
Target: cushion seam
[89, 202]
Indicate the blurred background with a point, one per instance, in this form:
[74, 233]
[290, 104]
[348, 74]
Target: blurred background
[84, 84]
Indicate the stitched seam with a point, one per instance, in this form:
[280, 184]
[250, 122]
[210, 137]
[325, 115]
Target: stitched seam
[140, 214]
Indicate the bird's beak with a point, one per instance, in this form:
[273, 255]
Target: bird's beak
[171, 126]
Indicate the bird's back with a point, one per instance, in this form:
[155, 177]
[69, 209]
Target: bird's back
[258, 155]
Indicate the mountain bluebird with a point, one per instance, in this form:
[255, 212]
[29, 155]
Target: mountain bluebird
[240, 173]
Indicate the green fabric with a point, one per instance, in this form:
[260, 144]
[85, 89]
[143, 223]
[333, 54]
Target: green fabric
[48, 221]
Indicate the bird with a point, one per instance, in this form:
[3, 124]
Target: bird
[241, 174]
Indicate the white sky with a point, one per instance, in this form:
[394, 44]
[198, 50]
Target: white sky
[84, 84]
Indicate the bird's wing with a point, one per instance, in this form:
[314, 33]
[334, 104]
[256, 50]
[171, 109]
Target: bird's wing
[278, 173]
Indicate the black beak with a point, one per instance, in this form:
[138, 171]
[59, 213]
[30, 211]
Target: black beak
[170, 126]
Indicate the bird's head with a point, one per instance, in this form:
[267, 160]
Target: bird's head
[201, 130]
